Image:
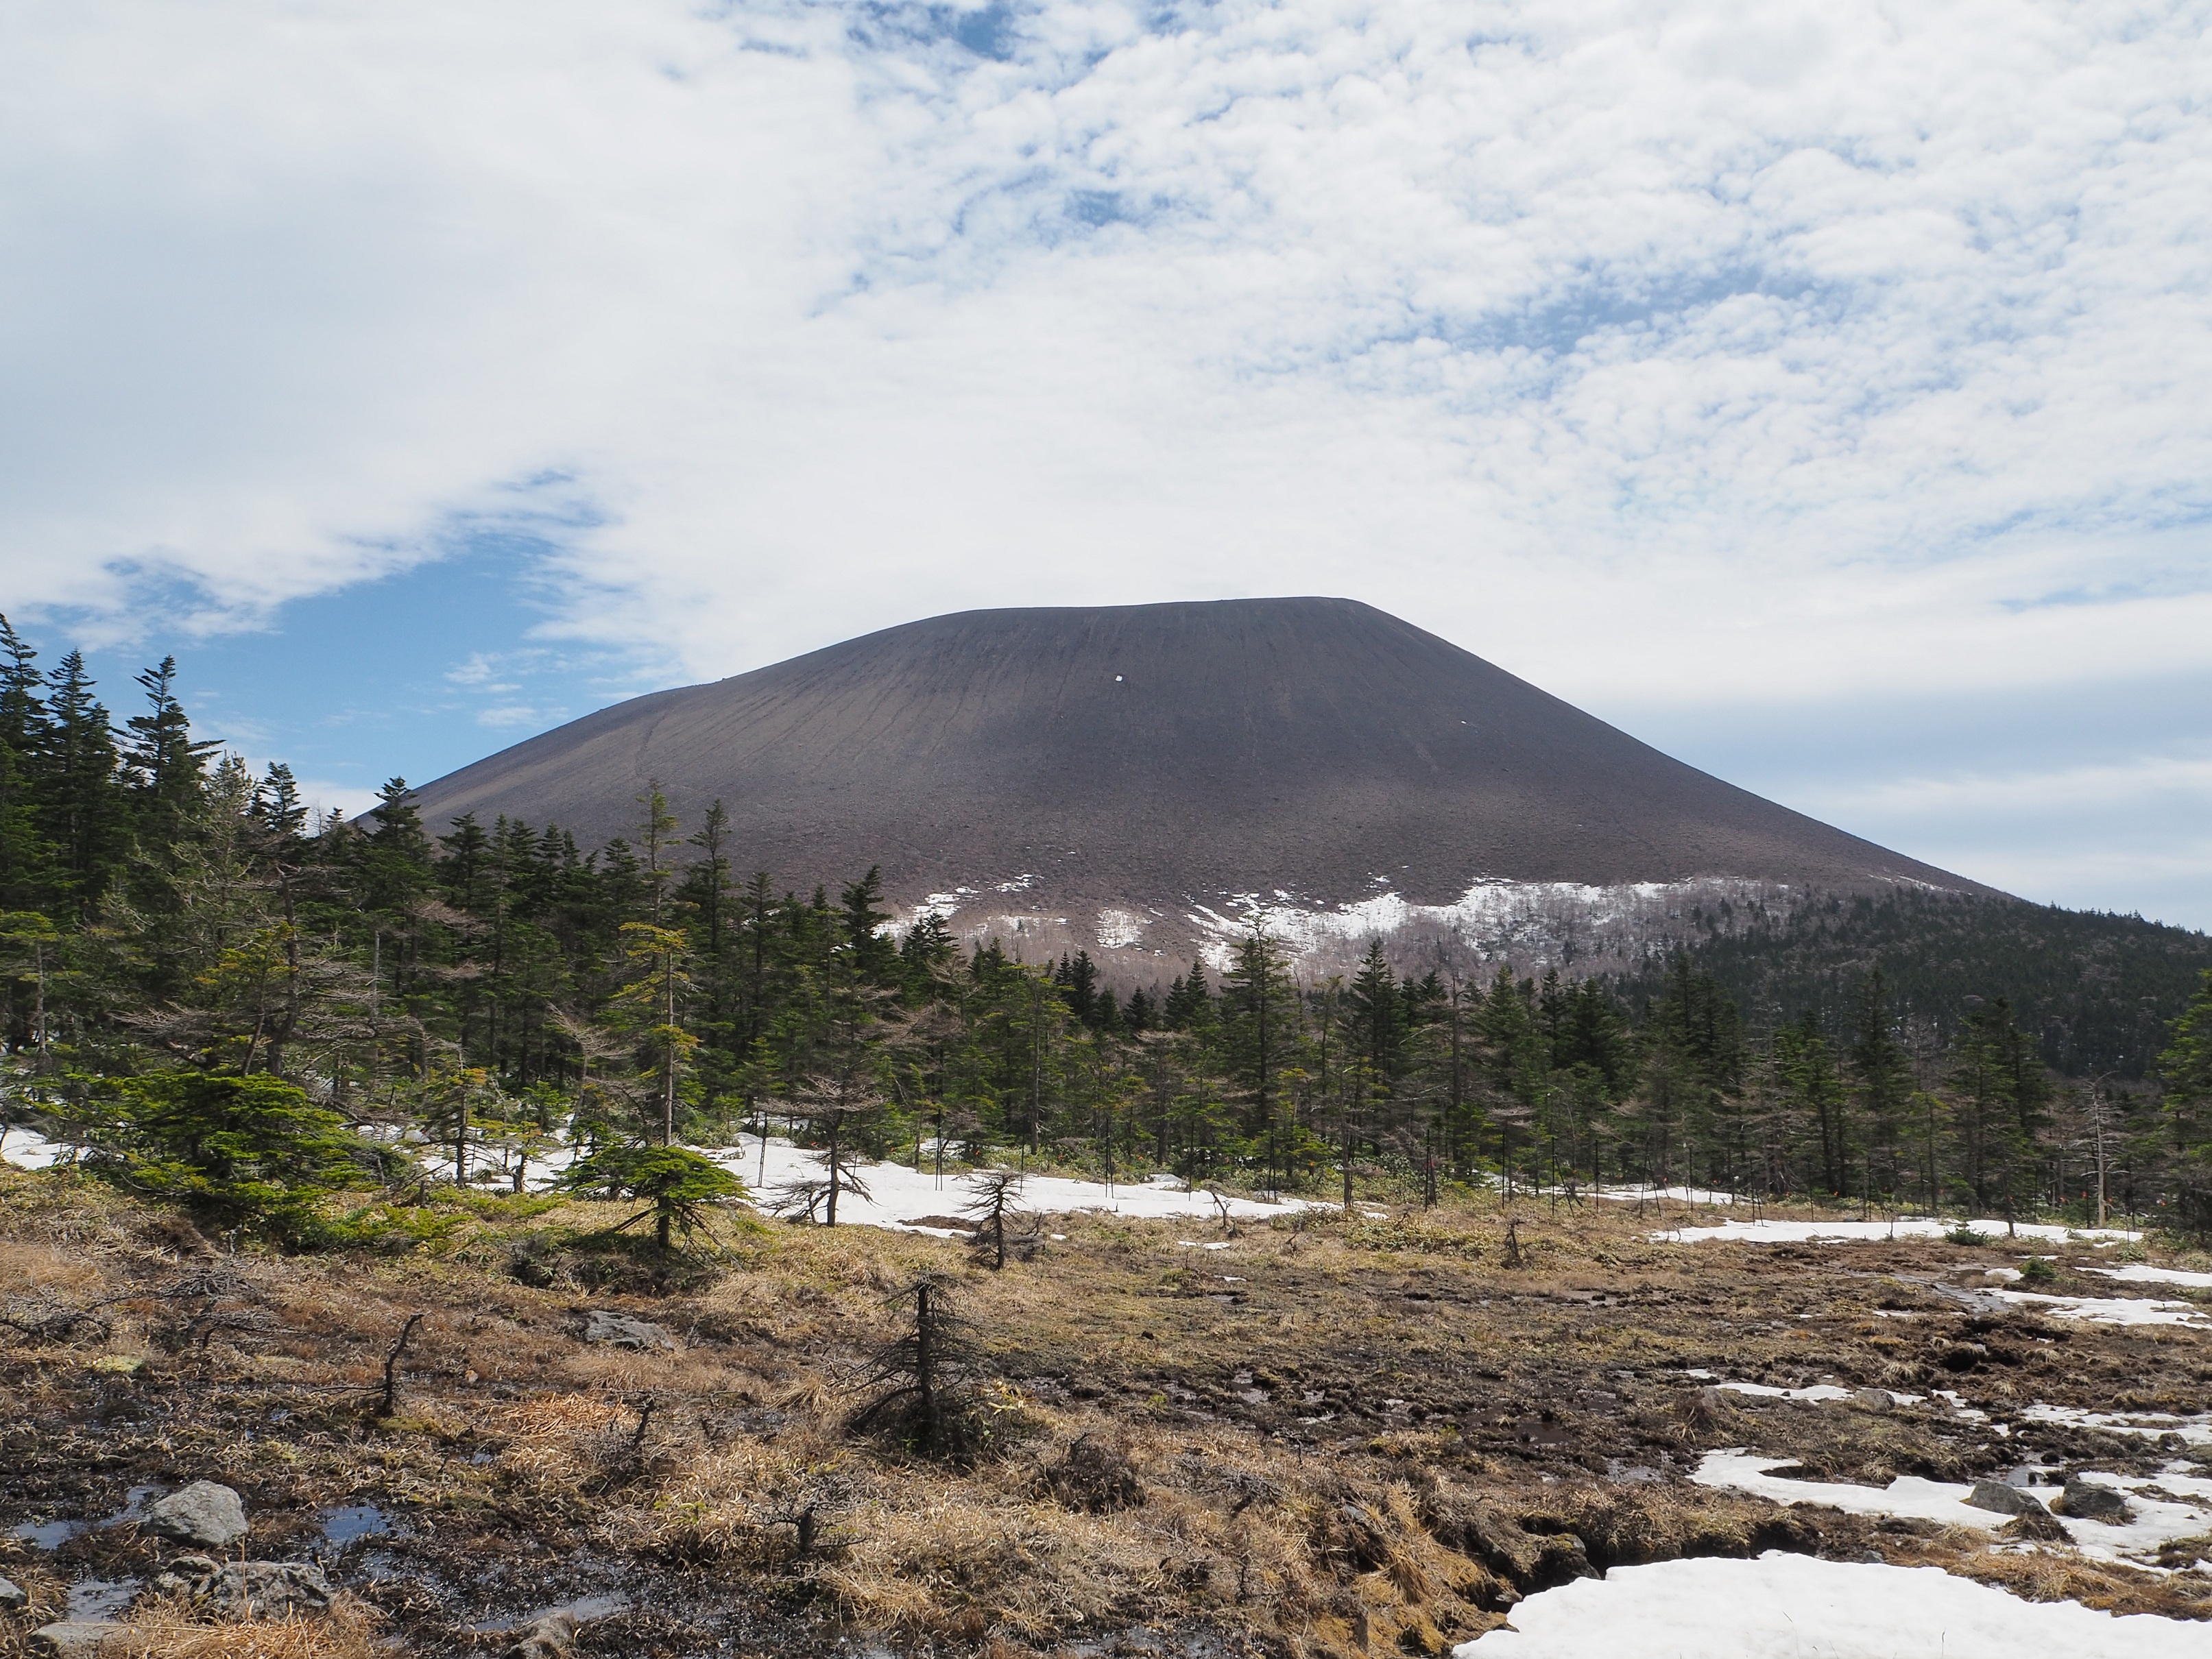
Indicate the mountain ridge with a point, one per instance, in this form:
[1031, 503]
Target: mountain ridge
[1144, 758]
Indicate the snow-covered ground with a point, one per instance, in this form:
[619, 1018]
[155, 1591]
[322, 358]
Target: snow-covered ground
[1817, 1392]
[2107, 1310]
[2136, 1274]
[2184, 1512]
[1861, 1232]
[899, 1195]
[27, 1148]
[1797, 1607]
[2150, 1426]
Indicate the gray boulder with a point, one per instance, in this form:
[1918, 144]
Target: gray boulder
[620, 1331]
[2000, 1498]
[2085, 1500]
[13, 1595]
[267, 1589]
[549, 1636]
[204, 1513]
[73, 1638]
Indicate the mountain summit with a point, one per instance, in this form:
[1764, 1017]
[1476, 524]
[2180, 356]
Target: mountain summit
[1132, 776]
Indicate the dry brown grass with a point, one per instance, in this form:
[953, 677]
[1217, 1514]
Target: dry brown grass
[1348, 1438]
[166, 1630]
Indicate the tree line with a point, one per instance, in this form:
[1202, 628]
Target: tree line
[216, 994]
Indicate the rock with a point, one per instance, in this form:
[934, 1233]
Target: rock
[203, 1513]
[2000, 1498]
[1873, 1400]
[268, 1589]
[273, 1589]
[624, 1332]
[2085, 1500]
[73, 1638]
[549, 1636]
[13, 1595]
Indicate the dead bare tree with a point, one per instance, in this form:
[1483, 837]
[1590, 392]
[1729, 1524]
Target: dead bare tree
[927, 1366]
[991, 1206]
[388, 1405]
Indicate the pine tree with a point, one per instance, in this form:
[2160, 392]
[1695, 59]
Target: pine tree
[875, 957]
[30, 874]
[166, 766]
[75, 786]
[1882, 1077]
[2186, 1068]
[1260, 1028]
[1378, 1014]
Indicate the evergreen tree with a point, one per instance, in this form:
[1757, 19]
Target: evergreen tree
[74, 784]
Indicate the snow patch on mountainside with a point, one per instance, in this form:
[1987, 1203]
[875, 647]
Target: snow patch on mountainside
[1547, 920]
[1543, 923]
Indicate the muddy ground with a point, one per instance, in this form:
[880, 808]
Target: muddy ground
[1317, 1439]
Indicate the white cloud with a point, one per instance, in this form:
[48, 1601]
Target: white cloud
[1692, 352]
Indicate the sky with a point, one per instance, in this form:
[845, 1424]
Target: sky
[1814, 391]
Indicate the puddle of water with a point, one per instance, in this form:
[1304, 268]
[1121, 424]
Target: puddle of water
[134, 1504]
[376, 1567]
[353, 1521]
[47, 1534]
[100, 1598]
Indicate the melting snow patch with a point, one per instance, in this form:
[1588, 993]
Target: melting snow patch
[2107, 1310]
[1797, 1607]
[2138, 1274]
[1819, 1391]
[1908, 1496]
[1860, 1232]
[2151, 1425]
[899, 1195]
[2158, 1520]
[27, 1148]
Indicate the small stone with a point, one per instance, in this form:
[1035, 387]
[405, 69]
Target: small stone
[550, 1636]
[2085, 1500]
[624, 1332]
[1873, 1400]
[2000, 1498]
[73, 1638]
[204, 1513]
[13, 1595]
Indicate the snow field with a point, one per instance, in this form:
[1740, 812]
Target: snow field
[2185, 1513]
[2136, 1274]
[897, 1195]
[27, 1148]
[1797, 1607]
[1862, 1232]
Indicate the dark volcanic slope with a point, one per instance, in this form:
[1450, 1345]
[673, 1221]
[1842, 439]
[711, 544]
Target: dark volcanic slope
[1150, 752]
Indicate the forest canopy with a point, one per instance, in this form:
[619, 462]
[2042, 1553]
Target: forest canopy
[217, 996]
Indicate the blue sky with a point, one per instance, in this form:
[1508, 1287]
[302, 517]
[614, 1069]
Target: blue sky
[410, 675]
[1812, 389]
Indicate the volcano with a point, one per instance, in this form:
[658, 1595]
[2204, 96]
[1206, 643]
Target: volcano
[1140, 780]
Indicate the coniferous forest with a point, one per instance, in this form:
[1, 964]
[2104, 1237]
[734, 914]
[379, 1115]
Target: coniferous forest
[211, 995]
